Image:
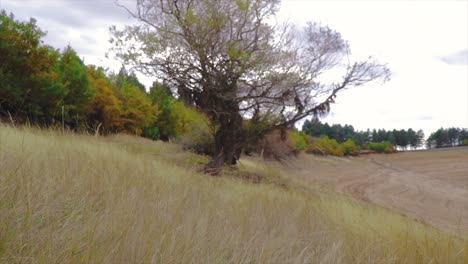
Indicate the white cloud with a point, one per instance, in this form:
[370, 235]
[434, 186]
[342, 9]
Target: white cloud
[460, 58]
[412, 37]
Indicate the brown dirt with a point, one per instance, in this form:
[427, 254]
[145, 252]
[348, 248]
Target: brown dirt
[431, 186]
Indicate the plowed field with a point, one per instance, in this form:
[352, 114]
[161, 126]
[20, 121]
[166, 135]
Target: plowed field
[431, 186]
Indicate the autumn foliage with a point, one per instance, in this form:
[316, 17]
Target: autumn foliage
[27, 71]
[105, 107]
[44, 86]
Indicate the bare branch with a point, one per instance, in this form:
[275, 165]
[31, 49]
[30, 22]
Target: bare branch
[235, 65]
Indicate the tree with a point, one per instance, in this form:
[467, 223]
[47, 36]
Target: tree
[104, 108]
[137, 111]
[412, 138]
[374, 136]
[463, 136]
[401, 138]
[453, 135]
[439, 138]
[348, 132]
[224, 57]
[381, 135]
[338, 132]
[312, 127]
[73, 83]
[26, 71]
[175, 119]
[124, 76]
[391, 137]
[449, 137]
[420, 138]
[160, 95]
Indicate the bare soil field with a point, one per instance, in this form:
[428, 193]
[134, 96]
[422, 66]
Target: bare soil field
[430, 186]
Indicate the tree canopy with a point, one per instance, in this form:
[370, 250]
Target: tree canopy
[26, 71]
[105, 107]
[73, 81]
[401, 138]
[448, 137]
[228, 59]
[45, 86]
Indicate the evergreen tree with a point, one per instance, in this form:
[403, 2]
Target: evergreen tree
[420, 138]
[73, 83]
[125, 77]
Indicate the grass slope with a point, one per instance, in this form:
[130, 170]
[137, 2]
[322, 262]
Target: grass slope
[67, 198]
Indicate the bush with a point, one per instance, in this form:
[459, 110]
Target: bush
[382, 147]
[200, 137]
[298, 140]
[350, 147]
[325, 146]
[175, 118]
[465, 142]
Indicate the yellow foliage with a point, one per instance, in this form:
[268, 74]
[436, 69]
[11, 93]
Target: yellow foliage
[175, 119]
[185, 118]
[137, 111]
[349, 147]
[298, 140]
[104, 107]
[325, 146]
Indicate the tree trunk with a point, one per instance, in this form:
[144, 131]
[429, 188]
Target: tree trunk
[229, 138]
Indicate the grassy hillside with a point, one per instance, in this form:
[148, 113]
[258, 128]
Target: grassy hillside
[67, 198]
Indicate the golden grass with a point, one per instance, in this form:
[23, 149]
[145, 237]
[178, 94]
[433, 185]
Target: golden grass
[67, 198]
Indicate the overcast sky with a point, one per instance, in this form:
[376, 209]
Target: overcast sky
[425, 44]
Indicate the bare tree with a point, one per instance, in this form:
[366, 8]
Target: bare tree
[233, 62]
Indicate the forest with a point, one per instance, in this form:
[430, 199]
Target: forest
[57, 89]
[402, 139]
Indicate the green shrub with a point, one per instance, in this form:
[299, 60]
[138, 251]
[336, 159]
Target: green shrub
[465, 142]
[175, 118]
[298, 140]
[325, 146]
[382, 147]
[349, 147]
[151, 132]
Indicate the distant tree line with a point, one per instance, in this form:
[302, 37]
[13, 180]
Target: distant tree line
[402, 138]
[45, 86]
[450, 137]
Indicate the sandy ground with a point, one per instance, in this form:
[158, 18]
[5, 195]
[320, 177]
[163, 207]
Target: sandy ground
[431, 186]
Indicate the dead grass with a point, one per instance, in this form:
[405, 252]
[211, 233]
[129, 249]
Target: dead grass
[67, 198]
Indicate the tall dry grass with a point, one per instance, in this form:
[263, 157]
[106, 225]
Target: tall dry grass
[67, 198]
